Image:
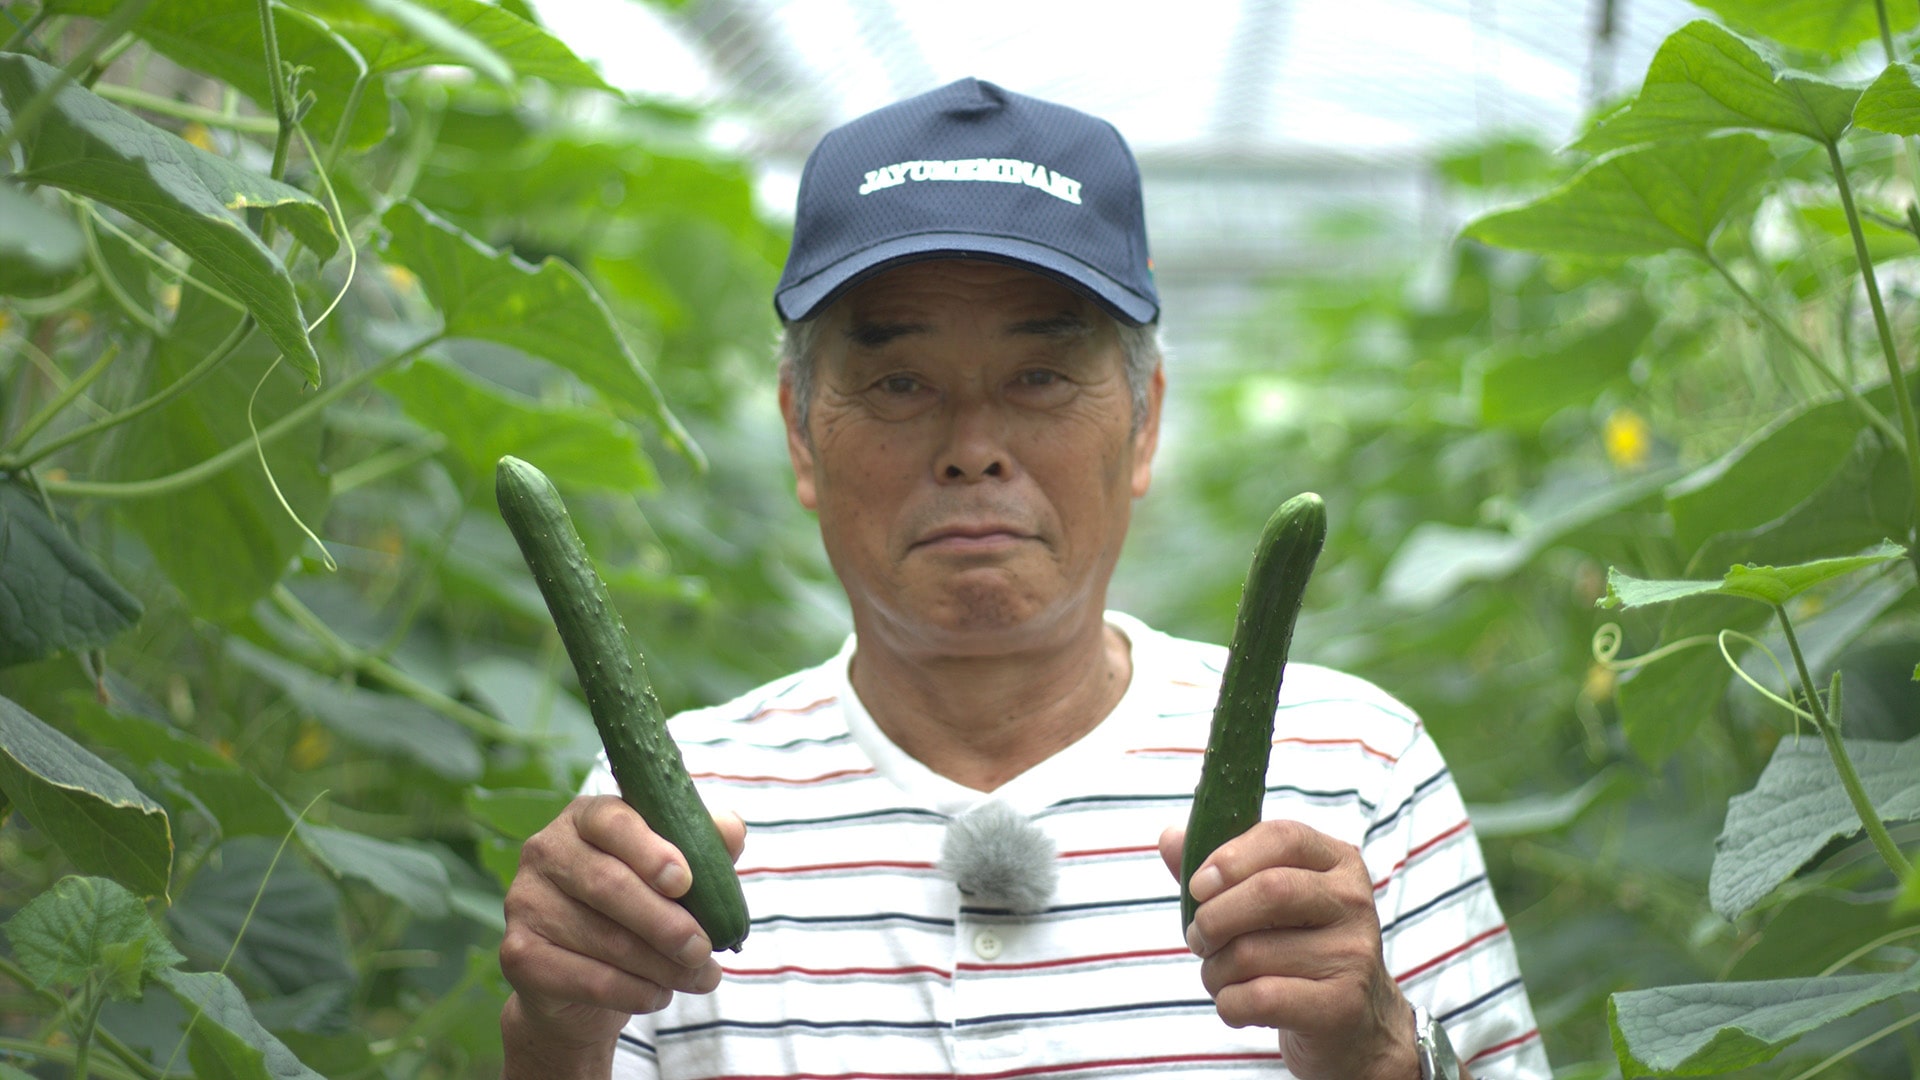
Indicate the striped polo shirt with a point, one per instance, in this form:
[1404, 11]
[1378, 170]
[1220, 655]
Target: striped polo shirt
[865, 962]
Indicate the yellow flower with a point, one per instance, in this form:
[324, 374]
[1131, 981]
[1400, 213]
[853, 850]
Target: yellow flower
[1628, 439]
[1599, 683]
[401, 278]
[310, 747]
[197, 134]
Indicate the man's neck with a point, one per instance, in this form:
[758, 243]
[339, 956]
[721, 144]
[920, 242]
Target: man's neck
[981, 721]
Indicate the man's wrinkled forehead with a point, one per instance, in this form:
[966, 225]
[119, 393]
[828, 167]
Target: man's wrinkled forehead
[927, 298]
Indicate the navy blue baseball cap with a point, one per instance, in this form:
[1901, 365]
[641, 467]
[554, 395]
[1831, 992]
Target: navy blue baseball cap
[971, 171]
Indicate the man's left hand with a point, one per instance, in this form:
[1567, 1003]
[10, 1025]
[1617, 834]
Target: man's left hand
[1290, 939]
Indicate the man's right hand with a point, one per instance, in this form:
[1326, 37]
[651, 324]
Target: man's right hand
[594, 934]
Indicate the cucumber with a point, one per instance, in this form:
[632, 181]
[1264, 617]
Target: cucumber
[645, 761]
[1233, 775]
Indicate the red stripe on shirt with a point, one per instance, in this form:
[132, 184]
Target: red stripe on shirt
[1096, 852]
[827, 973]
[1417, 850]
[1508, 1045]
[876, 864]
[1451, 953]
[1010, 1074]
[838, 774]
[1104, 958]
[1361, 743]
[795, 710]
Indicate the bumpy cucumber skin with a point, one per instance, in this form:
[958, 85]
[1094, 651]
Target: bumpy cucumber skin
[1233, 776]
[645, 760]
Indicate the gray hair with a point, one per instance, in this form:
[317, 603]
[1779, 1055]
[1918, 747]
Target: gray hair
[799, 345]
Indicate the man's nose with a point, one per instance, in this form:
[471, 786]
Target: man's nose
[975, 448]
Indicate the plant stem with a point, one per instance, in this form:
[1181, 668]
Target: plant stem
[357, 659]
[382, 465]
[67, 394]
[21, 36]
[1886, 29]
[1896, 380]
[13, 463]
[64, 1055]
[1860, 404]
[282, 111]
[28, 116]
[1829, 725]
[101, 270]
[180, 110]
[83, 1043]
[225, 459]
[347, 112]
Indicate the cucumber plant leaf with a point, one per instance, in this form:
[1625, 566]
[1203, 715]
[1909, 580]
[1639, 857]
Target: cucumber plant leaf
[86, 145]
[225, 540]
[482, 423]
[292, 939]
[221, 38]
[1662, 704]
[54, 597]
[87, 926]
[89, 809]
[1827, 28]
[36, 244]
[404, 872]
[383, 723]
[1766, 584]
[400, 35]
[1797, 808]
[548, 311]
[225, 1039]
[1708, 1028]
[1642, 201]
[1892, 103]
[1705, 78]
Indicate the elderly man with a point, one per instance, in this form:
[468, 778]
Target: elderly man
[972, 394]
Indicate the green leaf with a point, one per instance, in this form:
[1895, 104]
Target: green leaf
[1814, 930]
[1770, 472]
[1663, 703]
[36, 244]
[397, 35]
[1706, 79]
[377, 722]
[225, 1039]
[1825, 27]
[194, 772]
[294, 938]
[1766, 584]
[483, 423]
[89, 809]
[1709, 1028]
[1547, 813]
[1526, 383]
[403, 872]
[87, 925]
[549, 311]
[53, 596]
[1892, 103]
[224, 542]
[1644, 201]
[1798, 807]
[86, 145]
[221, 38]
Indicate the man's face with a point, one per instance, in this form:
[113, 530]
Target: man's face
[971, 455]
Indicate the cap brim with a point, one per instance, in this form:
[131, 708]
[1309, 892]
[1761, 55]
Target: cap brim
[804, 300]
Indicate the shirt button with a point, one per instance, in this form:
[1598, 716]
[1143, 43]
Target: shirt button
[986, 945]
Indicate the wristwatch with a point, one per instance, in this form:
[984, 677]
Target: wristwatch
[1437, 1059]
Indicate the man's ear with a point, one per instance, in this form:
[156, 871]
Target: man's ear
[799, 450]
[1148, 439]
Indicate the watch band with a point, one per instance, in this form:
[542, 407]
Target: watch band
[1437, 1059]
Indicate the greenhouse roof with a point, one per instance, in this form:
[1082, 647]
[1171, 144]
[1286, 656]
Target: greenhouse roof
[1256, 121]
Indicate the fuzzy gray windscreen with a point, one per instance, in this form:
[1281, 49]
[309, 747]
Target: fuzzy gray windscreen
[1000, 859]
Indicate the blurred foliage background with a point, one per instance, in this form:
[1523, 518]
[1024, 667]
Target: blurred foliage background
[1491, 432]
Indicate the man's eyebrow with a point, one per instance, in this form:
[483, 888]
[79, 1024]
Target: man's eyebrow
[873, 335]
[1067, 325]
